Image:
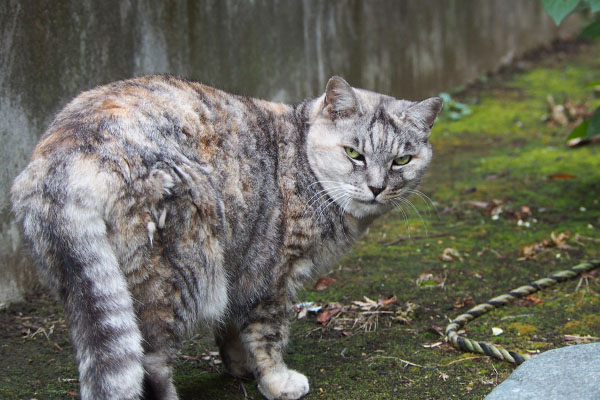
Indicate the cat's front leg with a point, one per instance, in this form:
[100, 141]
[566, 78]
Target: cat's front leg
[264, 338]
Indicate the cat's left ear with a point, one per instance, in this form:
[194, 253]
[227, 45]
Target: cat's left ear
[340, 99]
[423, 113]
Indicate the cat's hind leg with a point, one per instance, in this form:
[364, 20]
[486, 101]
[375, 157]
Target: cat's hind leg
[232, 351]
[158, 382]
[183, 281]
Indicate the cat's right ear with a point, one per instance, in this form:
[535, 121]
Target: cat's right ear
[424, 113]
[340, 99]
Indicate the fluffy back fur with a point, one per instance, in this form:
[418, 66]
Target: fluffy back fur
[157, 204]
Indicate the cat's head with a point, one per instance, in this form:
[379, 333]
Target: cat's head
[368, 150]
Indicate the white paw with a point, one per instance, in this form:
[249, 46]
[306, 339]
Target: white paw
[283, 384]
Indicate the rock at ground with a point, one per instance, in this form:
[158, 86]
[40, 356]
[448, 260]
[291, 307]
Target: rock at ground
[568, 373]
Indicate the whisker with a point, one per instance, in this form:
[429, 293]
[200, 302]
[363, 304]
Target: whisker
[332, 201]
[316, 198]
[322, 182]
[399, 206]
[426, 199]
[344, 210]
[322, 194]
[406, 201]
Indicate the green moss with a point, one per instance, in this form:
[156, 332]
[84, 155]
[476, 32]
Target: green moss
[522, 329]
[587, 325]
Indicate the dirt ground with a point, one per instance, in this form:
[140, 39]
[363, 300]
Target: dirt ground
[502, 189]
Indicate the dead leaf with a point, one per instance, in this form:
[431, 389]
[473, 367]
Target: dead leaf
[366, 305]
[450, 254]
[559, 241]
[535, 300]
[190, 358]
[583, 141]
[444, 376]
[437, 329]
[302, 313]
[557, 112]
[466, 302]
[428, 280]
[323, 283]
[496, 176]
[327, 314]
[561, 176]
[385, 302]
[478, 204]
[495, 211]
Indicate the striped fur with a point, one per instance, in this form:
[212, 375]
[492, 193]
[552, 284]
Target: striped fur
[157, 204]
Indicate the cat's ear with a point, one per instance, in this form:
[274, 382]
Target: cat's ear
[340, 99]
[423, 113]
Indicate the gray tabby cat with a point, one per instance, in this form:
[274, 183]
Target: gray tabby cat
[156, 204]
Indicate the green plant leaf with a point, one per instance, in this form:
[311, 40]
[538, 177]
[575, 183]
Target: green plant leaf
[454, 115]
[591, 31]
[579, 131]
[593, 4]
[559, 9]
[593, 127]
[446, 97]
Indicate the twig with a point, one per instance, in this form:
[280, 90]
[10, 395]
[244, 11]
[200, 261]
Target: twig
[588, 238]
[399, 359]
[377, 312]
[577, 338]
[402, 238]
[460, 360]
[243, 388]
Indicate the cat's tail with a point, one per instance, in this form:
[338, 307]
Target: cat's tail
[69, 238]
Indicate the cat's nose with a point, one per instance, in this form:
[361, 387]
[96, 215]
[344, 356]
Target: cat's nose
[376, 190]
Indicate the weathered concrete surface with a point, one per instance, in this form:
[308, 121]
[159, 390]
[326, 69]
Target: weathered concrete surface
[51, 50]
[562, 374]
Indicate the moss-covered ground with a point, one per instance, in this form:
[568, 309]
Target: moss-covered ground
[500, 165]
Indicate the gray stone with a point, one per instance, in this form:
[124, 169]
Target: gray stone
[568, 373]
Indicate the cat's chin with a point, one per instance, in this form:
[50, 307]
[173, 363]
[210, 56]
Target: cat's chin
[371, 209]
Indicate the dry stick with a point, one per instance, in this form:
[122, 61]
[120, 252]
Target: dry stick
[402, 238]
[473, 346]
[460, 360]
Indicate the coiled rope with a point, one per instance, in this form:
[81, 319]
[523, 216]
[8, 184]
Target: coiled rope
[473, 346]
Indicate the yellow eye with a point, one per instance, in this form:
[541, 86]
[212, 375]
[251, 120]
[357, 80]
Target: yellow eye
[350, 152]
[402, 160]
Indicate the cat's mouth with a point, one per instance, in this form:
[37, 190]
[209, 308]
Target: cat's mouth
[372, 202]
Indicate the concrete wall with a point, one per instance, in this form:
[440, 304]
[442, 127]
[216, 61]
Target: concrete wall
[50, 50]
